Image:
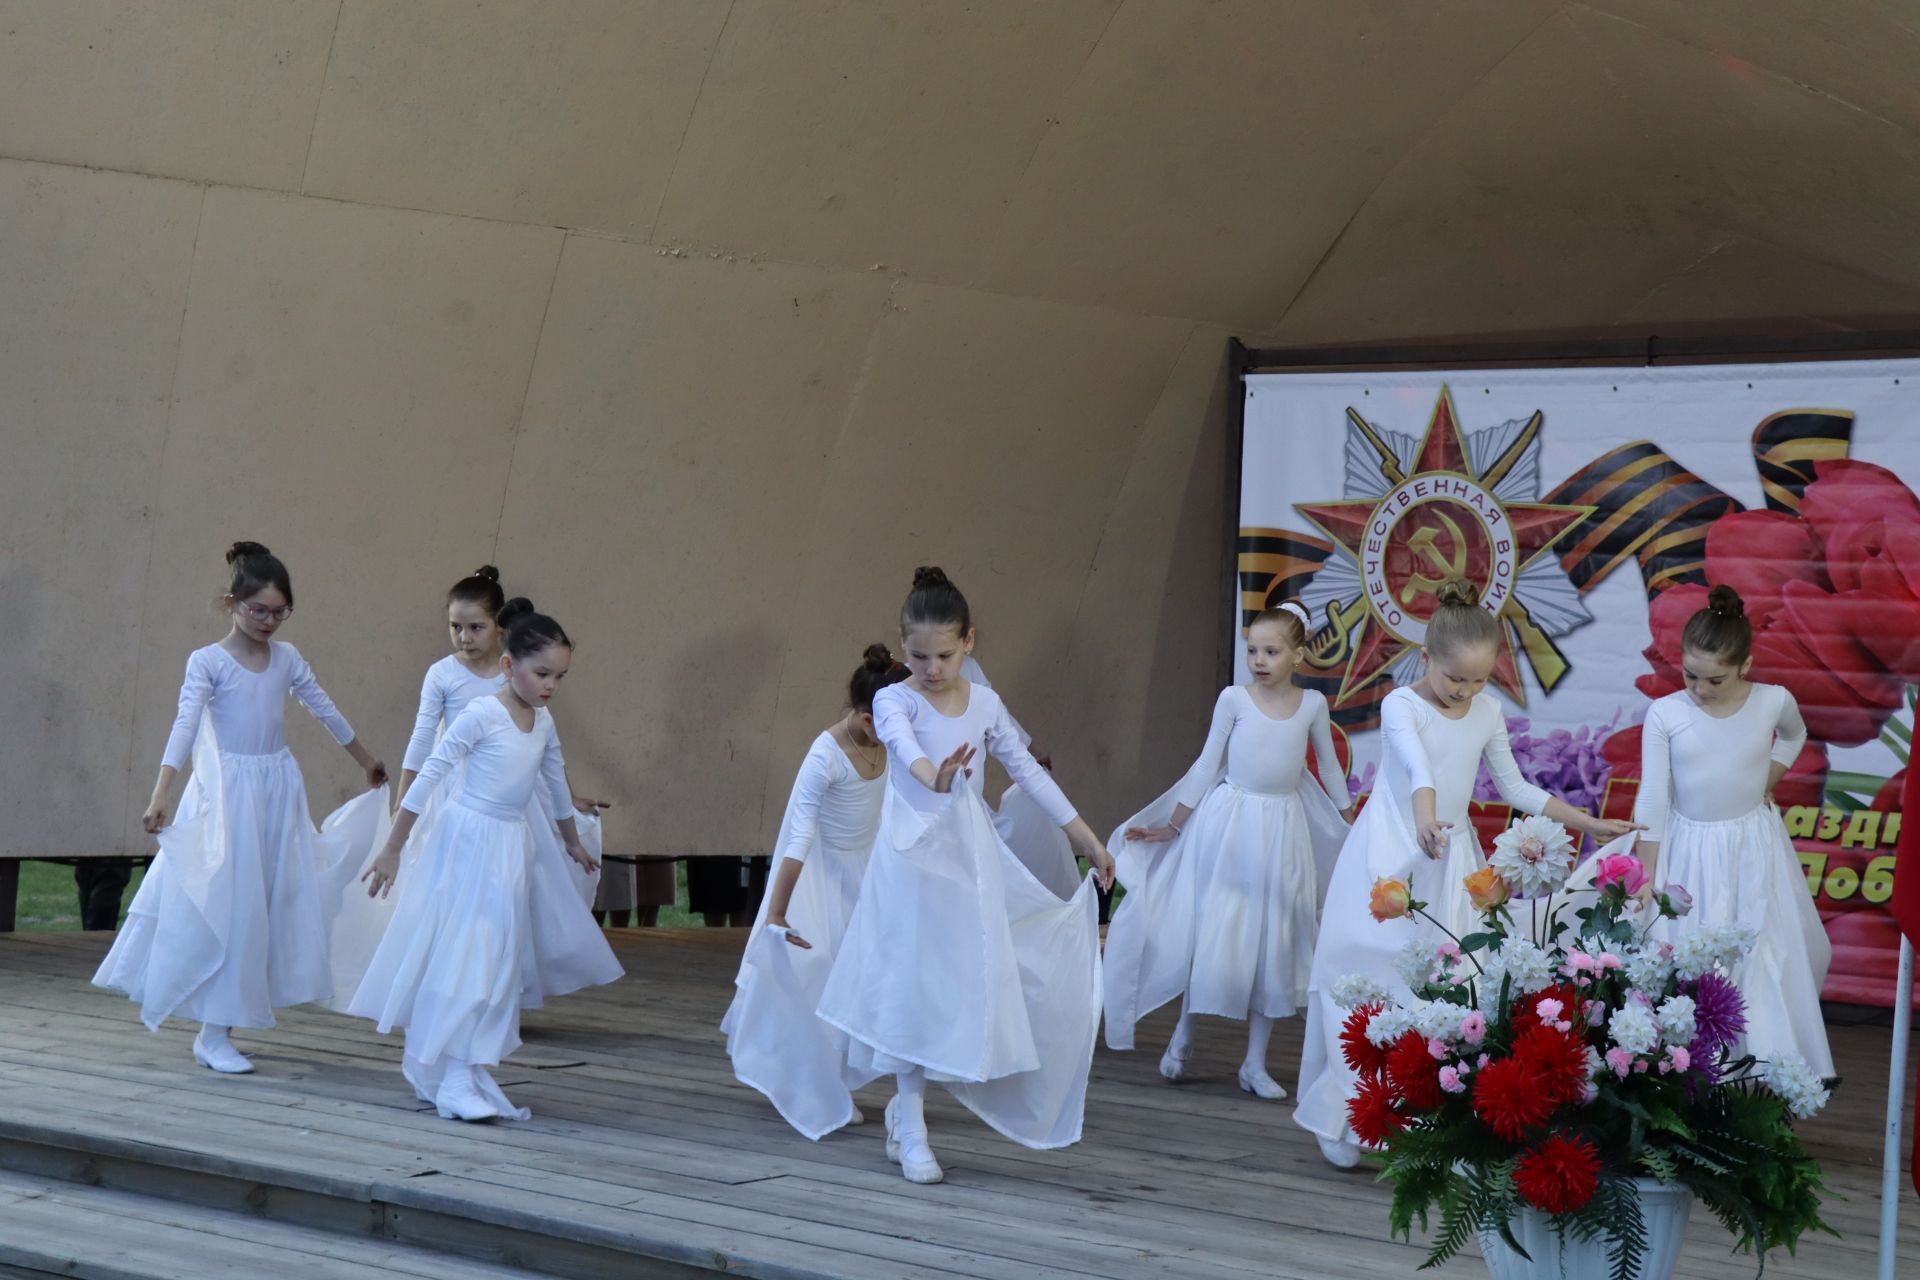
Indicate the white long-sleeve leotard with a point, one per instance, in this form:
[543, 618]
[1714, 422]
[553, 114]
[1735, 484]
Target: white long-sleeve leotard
[249, 708]
[914, 731]
[1713, 768]
[444, 694]
[1264, 755]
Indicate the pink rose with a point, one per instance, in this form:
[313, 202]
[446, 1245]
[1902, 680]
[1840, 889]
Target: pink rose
[1596, 1013]
[1677, 900]
[1622, 869]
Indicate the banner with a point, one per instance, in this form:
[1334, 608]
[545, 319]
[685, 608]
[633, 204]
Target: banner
[1593, 507]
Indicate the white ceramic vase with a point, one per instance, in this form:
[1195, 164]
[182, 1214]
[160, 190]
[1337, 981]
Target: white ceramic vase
[1664, 1206]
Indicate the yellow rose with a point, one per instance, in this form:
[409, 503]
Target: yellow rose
[1486, 890]
[1391, 899]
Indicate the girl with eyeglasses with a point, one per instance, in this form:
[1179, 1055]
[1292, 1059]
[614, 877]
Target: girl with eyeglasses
[229, 923]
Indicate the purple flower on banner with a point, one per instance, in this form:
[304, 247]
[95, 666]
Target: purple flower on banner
[1566, 762]
[1362, 782]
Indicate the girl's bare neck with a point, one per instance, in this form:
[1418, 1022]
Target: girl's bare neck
[487, 664]
[520, 710]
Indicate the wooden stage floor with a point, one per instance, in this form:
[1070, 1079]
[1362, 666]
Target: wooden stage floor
[645, 1158]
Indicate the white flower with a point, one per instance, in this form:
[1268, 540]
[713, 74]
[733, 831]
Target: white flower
[1648, 970]
[1633, 1029]
[1710, 947]
[1676, 1020]
[1436, 1019]
[1793, 1082]
[1415, 964]
[1357, 989]
[1534, 856]
[1388, 1025]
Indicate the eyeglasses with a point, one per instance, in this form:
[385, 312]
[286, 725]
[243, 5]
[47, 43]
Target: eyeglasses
[261, 613]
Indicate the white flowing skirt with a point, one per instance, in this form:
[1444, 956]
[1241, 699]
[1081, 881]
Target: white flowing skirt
[1746, 872]
[568, 952]
[959, 962]
[1353, 942]
[1226, 912]
[454, 963]
[778, 1043]
[230, 922]
[1040, 843]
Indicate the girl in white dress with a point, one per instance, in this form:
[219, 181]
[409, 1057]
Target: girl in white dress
[958, 965]
[778, 1044]
[473, 669]
[1223, 873]
[453, 967]
[1710, 758]
[1415, 828]
[230, 922]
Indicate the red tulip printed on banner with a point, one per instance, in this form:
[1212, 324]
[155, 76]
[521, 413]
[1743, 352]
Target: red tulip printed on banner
[1361, 492]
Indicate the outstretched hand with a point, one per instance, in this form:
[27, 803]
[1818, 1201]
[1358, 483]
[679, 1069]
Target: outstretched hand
[1102, 866]
[380, 876]
[957, 762]
[1153, 835]
[1434, 838]
[376, 775]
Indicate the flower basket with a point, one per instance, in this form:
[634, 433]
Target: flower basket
[1665, 1208]
[1566, 1087]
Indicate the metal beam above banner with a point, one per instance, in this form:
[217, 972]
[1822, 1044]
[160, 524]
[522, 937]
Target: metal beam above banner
[1652, 349]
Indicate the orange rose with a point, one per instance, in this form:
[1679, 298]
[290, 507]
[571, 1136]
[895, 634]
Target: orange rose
[1391, 900]
[1486, 890]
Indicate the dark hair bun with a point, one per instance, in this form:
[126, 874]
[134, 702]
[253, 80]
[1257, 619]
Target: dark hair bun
[930, 575]
[877, 658]
[518, 607]
[1725, 602]
[244, 550]
[488, 572]
[1457, 591]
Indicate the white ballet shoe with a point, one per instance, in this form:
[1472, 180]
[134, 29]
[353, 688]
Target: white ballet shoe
[460, 1100]
[893, 1143]
[916, 1158]
[859, 1116]
[1257, 1082]
[1173, 1063]
[1341, 1155]
[212, 1050]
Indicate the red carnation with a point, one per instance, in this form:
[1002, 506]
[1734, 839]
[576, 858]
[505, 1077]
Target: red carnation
[1414, 1073]
[1558, 1057]
[1560, 1175]
[1371, 1114]
[1362, 1054]
[1511, 1098]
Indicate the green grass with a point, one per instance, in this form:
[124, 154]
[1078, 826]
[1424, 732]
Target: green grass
[49, 900]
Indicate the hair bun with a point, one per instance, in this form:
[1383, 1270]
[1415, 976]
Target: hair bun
[877, 658]
[1725, 602]
[1456, 592]
[518, 607]
[242, 550]
[488, 572]
[930, 575]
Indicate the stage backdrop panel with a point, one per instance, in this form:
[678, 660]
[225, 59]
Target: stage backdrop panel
[1594, 507]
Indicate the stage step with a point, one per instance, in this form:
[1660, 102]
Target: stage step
[431, 1213]
[60, 1228]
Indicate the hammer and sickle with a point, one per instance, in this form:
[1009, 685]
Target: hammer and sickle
[1425, 542]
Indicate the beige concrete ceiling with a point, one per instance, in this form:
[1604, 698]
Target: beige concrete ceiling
[1299, 170]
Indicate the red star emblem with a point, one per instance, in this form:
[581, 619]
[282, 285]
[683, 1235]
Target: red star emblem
[1440, 520]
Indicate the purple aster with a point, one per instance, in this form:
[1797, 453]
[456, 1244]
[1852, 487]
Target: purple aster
[1719, 1013]
[1568, 763]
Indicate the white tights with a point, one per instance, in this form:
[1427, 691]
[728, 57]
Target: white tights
[1259, 1031]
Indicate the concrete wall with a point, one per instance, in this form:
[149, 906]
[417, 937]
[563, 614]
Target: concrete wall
[707, 321]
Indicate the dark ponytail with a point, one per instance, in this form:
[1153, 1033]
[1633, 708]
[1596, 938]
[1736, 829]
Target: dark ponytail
[481, 587]
[253, 568]
[935, 602]
[1721, 630]
[524, 632]
[876, 671]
